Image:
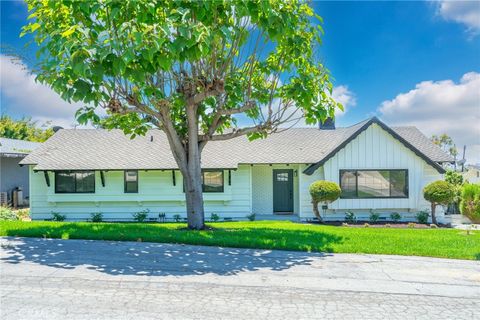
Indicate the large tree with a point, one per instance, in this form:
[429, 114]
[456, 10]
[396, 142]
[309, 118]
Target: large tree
[24, 129]
[445, 142]
[190, 68]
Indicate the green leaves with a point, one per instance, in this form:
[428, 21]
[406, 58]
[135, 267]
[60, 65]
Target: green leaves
[119, 66]
[67, 32]
[164, 53]
[24, 129]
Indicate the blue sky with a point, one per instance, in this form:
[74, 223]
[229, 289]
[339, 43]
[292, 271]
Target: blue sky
[410, 63]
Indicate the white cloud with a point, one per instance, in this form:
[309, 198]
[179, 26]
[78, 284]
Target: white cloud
[464, 12]
[343, 95]
[22, 96]
[340, 93]
[437, 107]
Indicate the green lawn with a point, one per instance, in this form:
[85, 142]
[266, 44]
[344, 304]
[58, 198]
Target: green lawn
[445, 243]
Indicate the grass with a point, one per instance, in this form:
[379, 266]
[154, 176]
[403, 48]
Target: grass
[443, 243]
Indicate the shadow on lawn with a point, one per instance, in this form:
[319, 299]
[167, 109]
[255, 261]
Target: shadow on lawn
[158, 259]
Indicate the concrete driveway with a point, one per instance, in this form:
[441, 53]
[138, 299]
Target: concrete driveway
[77, 279]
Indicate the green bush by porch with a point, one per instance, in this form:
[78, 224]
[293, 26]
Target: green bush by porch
[444, 243]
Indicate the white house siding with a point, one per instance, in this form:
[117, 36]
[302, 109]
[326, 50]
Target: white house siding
[375, 148]
[305, 210]
[262, 187]
[156, 193]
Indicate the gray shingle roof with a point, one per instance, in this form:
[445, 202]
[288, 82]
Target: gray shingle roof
[109, 150]
[422, 143]
[17, 147]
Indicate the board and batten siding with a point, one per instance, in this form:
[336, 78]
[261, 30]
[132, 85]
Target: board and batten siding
[374, 148]
[156, 193]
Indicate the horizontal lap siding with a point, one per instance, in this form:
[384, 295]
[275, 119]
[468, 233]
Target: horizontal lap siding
[156, 193]
[376, 149]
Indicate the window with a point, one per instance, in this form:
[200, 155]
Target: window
[212, 181]
[75, 182]
[282, 176]
[374, 184]
[131, 181]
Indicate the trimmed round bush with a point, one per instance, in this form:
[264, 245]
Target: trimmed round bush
[470, 202]
[438, 192]
[323, 191]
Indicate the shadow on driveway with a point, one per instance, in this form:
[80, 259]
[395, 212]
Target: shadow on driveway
[152, 259]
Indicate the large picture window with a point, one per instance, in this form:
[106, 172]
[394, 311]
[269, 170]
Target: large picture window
[131, 181]
[365, 184]
[75, 182]
[212, 181]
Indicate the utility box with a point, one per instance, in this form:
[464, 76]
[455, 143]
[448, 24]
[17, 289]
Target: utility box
[17, 197]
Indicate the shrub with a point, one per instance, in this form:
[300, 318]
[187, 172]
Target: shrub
[23, 214]
[141, 216]
[251, 217]
[470, 202]
[214, 217]
[7, 214]
[325, 192]
[350, 217]
[422, 217]
[162, 216]
[176, 217]
[456, 181]
[97, 216]
[438, 192]
[366, 225]
[395, 216]
[374, 216]
[58, 217]
[411, 225]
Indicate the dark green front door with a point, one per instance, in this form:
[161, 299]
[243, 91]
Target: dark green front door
[282, 190]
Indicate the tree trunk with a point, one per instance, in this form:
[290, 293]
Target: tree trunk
[194, 196]
[193, 185]
[316, 212]
[434, 219]
[187, 154]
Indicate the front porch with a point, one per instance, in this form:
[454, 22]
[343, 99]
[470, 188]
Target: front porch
[275, 191]
[278, 217]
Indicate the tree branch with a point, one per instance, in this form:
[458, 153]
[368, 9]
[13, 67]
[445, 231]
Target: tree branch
[242, 131]
[214, 88]
[217, 118]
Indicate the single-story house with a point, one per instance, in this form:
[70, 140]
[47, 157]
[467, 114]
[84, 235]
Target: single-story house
[12, 176]
[79, 172]
[472, 173]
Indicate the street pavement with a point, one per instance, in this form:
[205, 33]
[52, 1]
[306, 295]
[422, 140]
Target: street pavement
[79, 279]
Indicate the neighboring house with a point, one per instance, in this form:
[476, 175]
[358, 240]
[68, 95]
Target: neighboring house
[12, 175]
[79, 172]
[472, 173]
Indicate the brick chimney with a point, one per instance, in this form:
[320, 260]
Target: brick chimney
[328, 124]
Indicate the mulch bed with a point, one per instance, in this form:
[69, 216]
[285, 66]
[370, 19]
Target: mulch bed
[381, 224]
